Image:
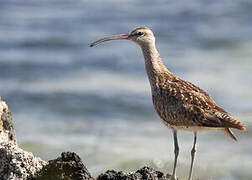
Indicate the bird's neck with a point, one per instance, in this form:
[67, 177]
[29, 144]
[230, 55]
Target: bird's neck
[153, 64]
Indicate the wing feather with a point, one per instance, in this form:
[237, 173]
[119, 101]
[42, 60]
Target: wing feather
[197, 105]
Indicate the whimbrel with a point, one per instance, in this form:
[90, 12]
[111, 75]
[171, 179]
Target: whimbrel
[180, 104]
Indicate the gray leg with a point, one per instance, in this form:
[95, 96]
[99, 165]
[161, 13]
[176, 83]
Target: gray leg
[176, 152]
[193, 155]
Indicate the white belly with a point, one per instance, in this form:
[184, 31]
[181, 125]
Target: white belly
[192, 128]
[195, 128]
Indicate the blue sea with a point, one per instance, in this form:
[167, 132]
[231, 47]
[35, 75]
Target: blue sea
[66, 96]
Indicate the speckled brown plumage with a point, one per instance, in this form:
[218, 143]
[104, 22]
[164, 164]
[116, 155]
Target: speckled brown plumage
[181, 104]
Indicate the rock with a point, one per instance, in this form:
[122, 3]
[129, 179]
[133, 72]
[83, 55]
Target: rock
[146, 173]
[7, 131]
[69, 167]
[15, 163]
[8, 127]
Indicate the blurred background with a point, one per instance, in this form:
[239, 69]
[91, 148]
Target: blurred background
[66, 96]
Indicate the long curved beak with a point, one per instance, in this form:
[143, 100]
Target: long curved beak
[122, 36]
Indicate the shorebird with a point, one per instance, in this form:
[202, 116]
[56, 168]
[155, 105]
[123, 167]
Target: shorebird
[180, 104]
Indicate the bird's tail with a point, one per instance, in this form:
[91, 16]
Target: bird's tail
[233, 123]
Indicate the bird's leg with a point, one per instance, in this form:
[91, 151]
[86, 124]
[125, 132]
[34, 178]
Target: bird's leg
[176, 152]
[193, 155]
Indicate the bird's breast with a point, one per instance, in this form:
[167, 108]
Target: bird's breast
[167, 106]
[171, 109]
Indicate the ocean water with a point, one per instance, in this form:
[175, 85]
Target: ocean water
[66, 96]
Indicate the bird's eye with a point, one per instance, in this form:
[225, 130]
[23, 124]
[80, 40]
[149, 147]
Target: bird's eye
[139, 33]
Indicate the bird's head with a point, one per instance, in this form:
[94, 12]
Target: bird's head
[141, 35]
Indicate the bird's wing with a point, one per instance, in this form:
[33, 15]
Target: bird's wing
[200, 107]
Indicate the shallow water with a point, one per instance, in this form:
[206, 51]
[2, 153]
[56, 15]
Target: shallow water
[97, 102]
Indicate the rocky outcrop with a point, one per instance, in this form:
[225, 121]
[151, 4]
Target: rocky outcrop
[68, 166]
[7, 132]
[141, 174]
[15, 163]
